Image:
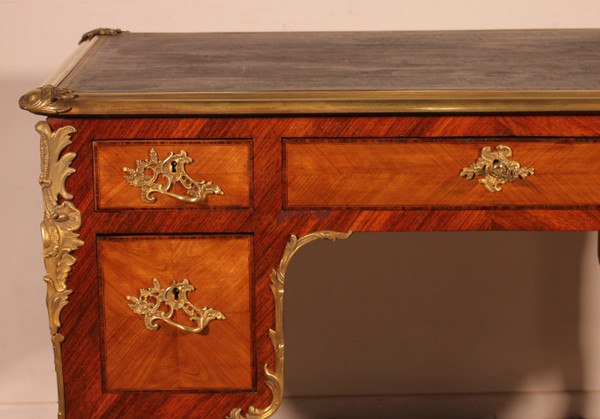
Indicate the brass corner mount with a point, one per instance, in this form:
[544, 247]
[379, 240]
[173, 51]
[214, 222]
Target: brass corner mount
[275, 377]
[47, 100]
[99, 32]
[61, 221]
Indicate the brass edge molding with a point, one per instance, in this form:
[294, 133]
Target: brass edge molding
[312, 102]
[71, 63]
[58, 236]
[47, 100]
[99, 32]
[275, 378]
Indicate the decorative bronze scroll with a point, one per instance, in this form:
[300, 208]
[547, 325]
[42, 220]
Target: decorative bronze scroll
[496, 168]
[172, 170]
[175, 298]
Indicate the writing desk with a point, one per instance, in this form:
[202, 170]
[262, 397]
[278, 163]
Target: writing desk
[182, 172]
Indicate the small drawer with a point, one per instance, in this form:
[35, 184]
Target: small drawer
[206, 345]
[201, 174]
[425, 173]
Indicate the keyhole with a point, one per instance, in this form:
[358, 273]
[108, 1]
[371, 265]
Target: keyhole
[173, 166]
[175, 293]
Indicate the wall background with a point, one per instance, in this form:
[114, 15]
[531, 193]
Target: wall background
[440, 345]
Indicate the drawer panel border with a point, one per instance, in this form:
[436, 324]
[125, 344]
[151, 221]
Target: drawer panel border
[96, 143]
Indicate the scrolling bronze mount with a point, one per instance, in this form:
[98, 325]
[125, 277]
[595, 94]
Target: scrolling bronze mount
[496, 168]
[172, 170]
[175, 298]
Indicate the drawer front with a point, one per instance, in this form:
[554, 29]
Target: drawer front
[133, 270]
[130, 174]
[396, 173]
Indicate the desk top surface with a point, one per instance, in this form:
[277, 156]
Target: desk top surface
[347, 61]
[398, 71]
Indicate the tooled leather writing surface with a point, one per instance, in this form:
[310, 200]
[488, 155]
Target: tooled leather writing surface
[346, 61]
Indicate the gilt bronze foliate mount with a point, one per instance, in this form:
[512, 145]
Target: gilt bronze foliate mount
[61, 221]
[47, 100]
[172, 170]
[152, 301]
[496, 168]
[99, 32]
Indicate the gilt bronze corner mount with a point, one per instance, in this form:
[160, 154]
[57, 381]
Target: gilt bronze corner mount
[99, 32]
[61, 220]
[47, 100]
[275, 378]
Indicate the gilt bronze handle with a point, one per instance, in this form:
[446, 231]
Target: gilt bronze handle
[175, 298]
[496, 168]
[172, 171]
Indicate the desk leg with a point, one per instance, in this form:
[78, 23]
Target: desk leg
[275, 378]
[61, 220]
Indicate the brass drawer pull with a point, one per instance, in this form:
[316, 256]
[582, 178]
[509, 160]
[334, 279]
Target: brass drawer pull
[175, 297]
[172, 169]
[496, 167]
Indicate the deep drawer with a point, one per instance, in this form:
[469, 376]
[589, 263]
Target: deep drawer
[397, 173]
[136, 273]
[157, 179]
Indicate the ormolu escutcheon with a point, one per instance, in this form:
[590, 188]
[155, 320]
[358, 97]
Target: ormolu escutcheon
[496, 168]
[152, 301]
[172, 170]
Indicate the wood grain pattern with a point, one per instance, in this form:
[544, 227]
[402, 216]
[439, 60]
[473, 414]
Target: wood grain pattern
[270, 225]
[397, 173]
[219, 268]
[225, 163]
